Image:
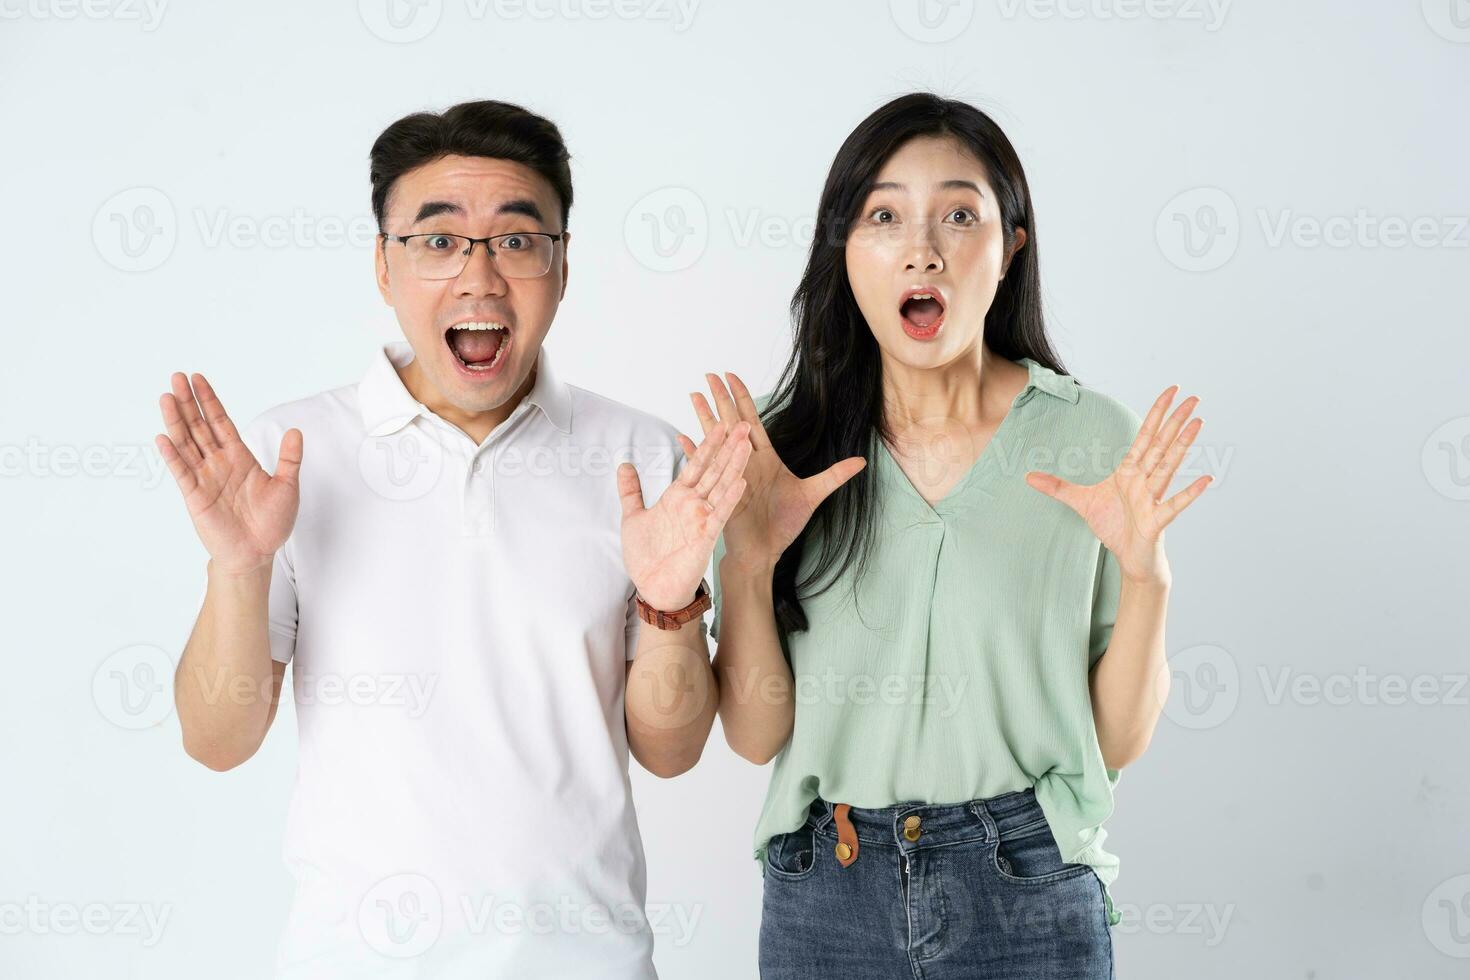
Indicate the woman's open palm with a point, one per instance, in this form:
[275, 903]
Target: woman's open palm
[242, 513]
[776, 504]
[1127, 511]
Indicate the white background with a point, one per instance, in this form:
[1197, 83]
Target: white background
[1227, 199]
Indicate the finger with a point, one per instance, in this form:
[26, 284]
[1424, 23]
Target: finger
[178, 430]
[214, 413]
[182, 472]
[706, 417]
[1176, 504]
[724, 404]
[189, 409]
[687, 444]
[288, 461]
[724, 504]
[730, 464]
[1072, 494]
[748, 411]
[818, 488]
[1166, 435]
[1158, 480]
[707, 450]
[630, 491]
[1133, 459]
[721, 462]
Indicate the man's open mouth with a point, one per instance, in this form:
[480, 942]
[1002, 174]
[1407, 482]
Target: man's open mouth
[479, 345]
[922, 310]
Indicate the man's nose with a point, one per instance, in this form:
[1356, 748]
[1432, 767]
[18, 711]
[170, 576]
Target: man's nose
[480, 277]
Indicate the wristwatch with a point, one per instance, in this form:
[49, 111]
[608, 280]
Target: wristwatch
[659, 619]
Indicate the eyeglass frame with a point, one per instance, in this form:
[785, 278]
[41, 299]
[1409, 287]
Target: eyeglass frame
[468, 252]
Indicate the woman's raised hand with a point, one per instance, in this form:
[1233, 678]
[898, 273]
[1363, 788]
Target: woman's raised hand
[776, 504]
[1128, 511]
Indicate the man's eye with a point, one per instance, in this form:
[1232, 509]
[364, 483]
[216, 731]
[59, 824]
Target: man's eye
[514, 243]
[441, 243]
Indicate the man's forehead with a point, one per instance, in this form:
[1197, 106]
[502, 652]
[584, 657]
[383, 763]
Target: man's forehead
[480, 185]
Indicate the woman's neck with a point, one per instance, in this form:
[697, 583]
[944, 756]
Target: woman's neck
[974, 390]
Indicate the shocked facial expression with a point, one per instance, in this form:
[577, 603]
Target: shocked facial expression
[476, 333]
[927, 252]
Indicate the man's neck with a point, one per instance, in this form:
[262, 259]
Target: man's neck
[476, 425]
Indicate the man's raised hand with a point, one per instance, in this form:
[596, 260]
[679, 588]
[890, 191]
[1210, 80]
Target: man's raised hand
[242, 513]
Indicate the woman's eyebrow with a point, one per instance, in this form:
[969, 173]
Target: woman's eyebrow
[944, 185]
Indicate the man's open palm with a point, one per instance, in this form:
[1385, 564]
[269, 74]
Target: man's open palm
[242, 514]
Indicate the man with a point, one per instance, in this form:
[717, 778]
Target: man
[442, 554]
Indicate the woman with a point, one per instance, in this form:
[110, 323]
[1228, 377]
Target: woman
[941, 598]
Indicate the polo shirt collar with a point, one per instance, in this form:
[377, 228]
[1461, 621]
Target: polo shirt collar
[387, 406]
[1062, 386]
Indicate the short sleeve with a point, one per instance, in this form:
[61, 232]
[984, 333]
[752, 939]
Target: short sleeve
[263, 438]
[655, 475]
[1106, 589]
[714, 588]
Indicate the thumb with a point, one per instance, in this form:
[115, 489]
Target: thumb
[1054, 486]
[825, 483]
[630, 491]
[288, 462]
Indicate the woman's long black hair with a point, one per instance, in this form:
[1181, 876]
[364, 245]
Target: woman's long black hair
[828, 401]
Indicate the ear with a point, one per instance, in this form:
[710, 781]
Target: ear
[380, 269]
[1016, 246]
[566, 240]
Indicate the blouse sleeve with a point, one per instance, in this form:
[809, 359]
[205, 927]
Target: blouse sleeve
[1106, 589]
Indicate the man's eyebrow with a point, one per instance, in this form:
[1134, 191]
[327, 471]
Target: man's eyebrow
[519, 205]
[432, 209]
[523, 206]
[948, 185]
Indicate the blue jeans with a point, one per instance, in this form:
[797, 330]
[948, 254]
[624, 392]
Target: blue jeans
[972, 890]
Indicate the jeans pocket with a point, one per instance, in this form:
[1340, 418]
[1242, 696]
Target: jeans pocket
[792, 856]
[1033, 858]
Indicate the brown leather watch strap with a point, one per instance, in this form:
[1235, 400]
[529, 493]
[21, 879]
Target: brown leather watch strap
[847, 842]
[659, 619]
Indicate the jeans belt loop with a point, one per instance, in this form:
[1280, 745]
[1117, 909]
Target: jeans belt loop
[847, 841]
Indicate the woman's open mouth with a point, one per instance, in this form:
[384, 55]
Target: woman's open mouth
[922, 313]
[479, 347]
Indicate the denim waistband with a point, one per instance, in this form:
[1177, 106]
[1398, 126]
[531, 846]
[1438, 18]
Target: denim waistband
[939, 823]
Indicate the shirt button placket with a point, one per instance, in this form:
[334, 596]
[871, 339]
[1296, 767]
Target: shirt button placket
[478, 504]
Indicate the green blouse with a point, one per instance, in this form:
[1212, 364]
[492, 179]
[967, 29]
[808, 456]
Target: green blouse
[957, 668]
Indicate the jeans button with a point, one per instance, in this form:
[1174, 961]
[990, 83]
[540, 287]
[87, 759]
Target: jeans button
[911, 828]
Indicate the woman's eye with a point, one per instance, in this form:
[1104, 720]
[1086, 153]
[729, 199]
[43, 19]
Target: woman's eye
[882, 216]
[963, 216]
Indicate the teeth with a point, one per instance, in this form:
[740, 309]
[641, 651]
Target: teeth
[479, 325]
[922, 296]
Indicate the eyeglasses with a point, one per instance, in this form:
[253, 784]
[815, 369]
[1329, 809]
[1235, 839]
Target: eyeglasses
[518, 255]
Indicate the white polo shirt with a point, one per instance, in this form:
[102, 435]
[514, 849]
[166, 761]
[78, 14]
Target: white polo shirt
[459, 619]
